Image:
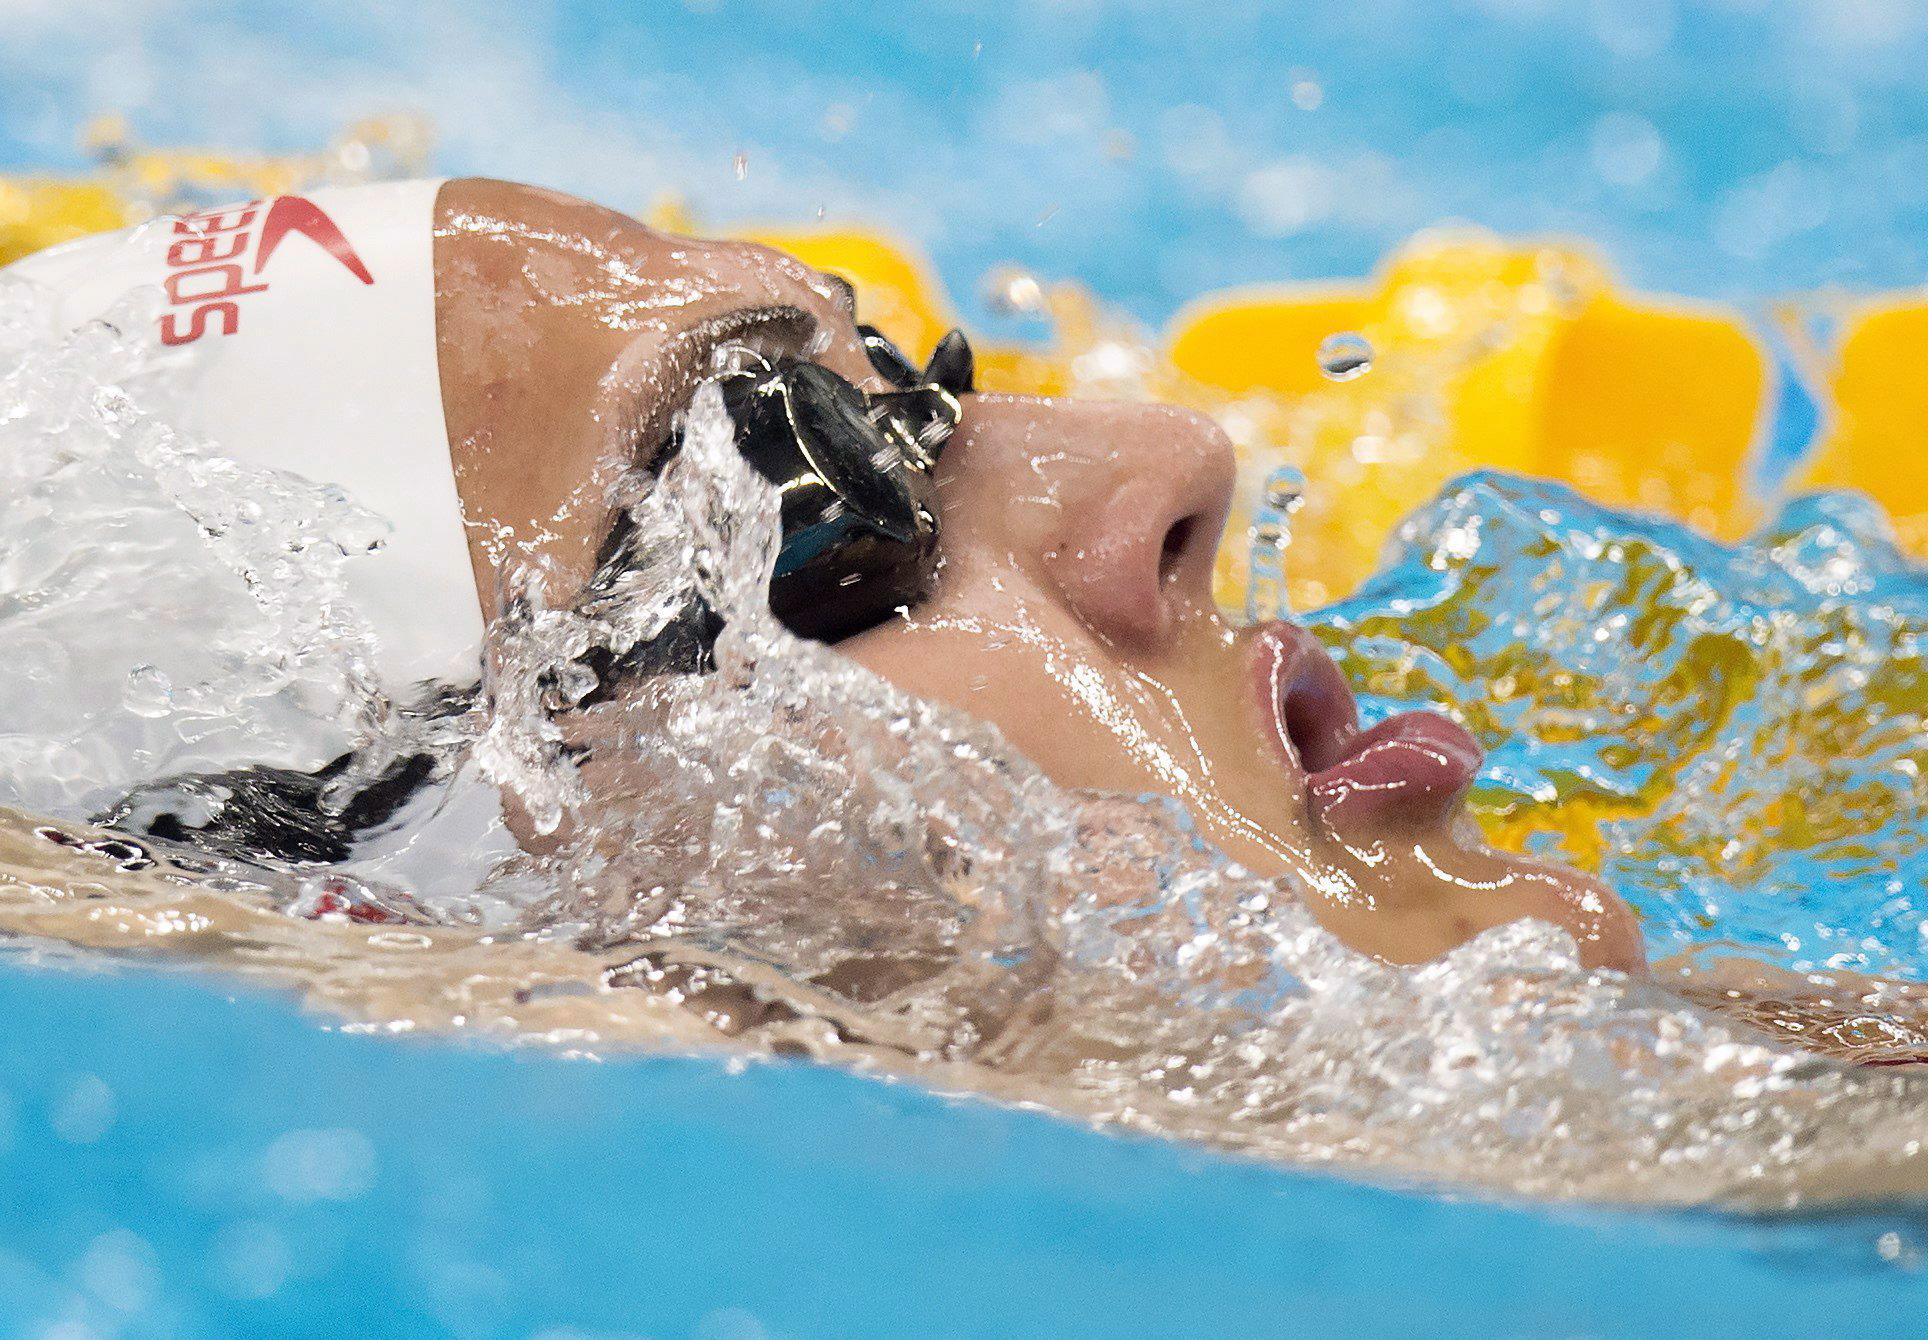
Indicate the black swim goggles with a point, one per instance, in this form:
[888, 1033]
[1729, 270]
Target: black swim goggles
[855, 473]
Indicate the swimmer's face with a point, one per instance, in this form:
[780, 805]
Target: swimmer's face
[1073, 608]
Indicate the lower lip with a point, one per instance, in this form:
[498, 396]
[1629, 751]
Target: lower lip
[1410, 769]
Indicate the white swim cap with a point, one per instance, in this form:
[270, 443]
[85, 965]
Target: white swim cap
[298, 333]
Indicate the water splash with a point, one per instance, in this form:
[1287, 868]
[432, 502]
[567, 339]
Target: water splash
[787, 854]
[162, 608]
[1735, 737]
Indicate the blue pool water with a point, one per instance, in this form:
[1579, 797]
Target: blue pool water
[188, 1164]
[1720, 147]
[175, 1162]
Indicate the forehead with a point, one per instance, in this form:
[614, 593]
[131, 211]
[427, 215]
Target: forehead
[585, 257]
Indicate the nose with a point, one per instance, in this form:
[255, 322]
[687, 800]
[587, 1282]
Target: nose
[1116, 508]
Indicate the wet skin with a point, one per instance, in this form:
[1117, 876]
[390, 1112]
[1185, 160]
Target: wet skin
[1073, 608]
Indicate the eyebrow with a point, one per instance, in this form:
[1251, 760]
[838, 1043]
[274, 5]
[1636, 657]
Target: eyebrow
[685, 356]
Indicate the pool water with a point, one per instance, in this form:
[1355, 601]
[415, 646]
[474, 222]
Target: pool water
[212, 1166]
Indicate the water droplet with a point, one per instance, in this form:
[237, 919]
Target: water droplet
[149, 692]
[119, 1269]
[354, 157]
[1271, 533]
[1284, 491]
[1344, 356]
[1011, 291]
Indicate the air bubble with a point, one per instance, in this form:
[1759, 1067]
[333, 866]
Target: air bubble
[1345, 356]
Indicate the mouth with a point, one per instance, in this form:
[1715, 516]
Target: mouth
[1409, 770]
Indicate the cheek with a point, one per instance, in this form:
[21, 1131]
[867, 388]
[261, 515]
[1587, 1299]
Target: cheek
[966, 644]
[1008, 496]
[987, 542]
[993, 648]
[1012, 686]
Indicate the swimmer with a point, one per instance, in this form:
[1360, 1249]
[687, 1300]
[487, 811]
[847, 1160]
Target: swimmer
[482, 362]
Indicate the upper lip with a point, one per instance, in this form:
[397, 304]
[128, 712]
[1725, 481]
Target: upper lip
[1410, 769]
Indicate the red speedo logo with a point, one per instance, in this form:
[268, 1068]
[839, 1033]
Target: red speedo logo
[216, 254]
